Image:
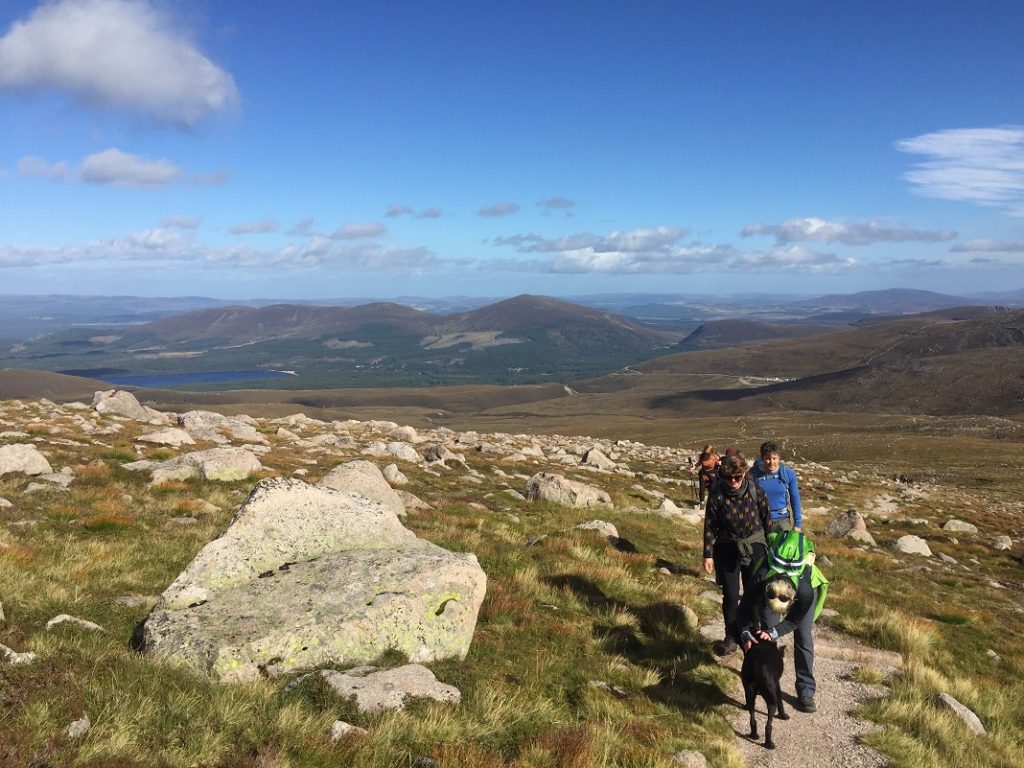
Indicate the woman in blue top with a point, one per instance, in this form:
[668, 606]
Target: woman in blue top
[779, 484]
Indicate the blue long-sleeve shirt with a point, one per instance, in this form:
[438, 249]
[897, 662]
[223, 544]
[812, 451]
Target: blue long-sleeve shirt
[782, 492]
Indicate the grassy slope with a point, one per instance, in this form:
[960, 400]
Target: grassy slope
[557, 615]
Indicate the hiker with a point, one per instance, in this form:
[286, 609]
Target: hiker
[787, 595]
[707, 471]
[735, 529]
[778, 481]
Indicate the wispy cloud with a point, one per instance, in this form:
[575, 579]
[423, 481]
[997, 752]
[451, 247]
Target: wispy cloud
[358, 231]
[556, 205]
[980, 165]
[395, 210]
[121, 169]
[499, 209]
[430, 213]
[32, 167]
[812, 229]
[181, 222]
[657, 250]
[261, 227]
[302, 228]
[211, 179]
[126, 54]
[989, 246]
[177, 246]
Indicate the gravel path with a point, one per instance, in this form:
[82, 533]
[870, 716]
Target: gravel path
[829, 737]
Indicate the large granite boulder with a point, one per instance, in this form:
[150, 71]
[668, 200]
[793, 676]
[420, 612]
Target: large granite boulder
[547, 486]
[121, 403]
[307, 576]
[24, 458]
[225, 464]
[366, 479]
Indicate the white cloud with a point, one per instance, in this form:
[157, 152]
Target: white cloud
[811, 229]
[358, 231]
[989, 246]
[657, 250]
[980, 165]
[121, 169]
[498, 209]
[261, 227]
[31, 167]
[120, 53]
[430, 213]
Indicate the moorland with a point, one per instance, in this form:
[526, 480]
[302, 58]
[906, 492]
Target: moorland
[911, 421]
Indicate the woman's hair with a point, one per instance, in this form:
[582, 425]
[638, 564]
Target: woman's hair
[708, 449]
[768, 448]
[733, 466]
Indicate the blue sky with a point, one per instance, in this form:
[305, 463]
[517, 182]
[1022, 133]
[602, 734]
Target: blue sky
[336, 149]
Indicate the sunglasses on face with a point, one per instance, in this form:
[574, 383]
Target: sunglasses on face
[734, 478]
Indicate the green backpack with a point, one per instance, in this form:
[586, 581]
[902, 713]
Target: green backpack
[789, 553]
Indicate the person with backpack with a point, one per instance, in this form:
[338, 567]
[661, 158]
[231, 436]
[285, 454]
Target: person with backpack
[707, 471]
[778, 481]
[787, 595]
[736, 524]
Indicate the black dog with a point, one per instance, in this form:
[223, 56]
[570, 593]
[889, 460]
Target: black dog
[761, 674]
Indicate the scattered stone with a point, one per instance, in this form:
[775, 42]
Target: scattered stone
[959, 526]
[556, 489]
[171, 436]
[366, 479]
[1002, 543]
[690, 758]
[394, 475]
[514, 494]
[668, 509]
[847, 523]
[182, 520]
[23, 458]
[120, 403]
[206, 425]
[596, 458]
[403, 451]
[65, 618]
[5, 504]
[946, 558]
[971, 720]
[340, 730]
[863, 537]
[16, 659]
[136, 601]
[80, 727]
[390, 688]
[411, 502]
[912, 545]
[439, 453]
[614, 690]
[603, 528]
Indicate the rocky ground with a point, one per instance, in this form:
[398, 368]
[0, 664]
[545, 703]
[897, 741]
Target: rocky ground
[386, 472]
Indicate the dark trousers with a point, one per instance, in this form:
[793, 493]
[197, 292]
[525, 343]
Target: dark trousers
[803, 650]
[730, 573]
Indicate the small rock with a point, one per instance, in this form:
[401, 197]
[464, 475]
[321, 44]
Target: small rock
[912, 545]
[614, 690]
[16, 659]
[341, 730]
[971, 720]
[394, 475]
[64, 618]
[690, 758]
[603, 528]
[1002, 543]
[79, 728]
[959, 526]
[390, 688]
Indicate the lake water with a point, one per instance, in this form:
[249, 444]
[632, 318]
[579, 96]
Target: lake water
[156, 381]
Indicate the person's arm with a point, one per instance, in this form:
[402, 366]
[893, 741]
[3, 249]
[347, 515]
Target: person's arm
[794, 500]
[710, 530]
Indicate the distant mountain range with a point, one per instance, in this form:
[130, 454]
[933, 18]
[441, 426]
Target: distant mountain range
[26, 317]
[523, 339]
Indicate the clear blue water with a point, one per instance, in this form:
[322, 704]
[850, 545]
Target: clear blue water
[179, 379]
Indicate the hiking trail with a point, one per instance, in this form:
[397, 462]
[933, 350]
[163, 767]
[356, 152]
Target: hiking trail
[828, 738]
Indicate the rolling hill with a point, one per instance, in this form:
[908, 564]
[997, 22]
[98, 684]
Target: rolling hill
[524, 339]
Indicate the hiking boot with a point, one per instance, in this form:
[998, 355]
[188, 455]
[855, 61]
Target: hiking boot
[806, 704]
[724, 647]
